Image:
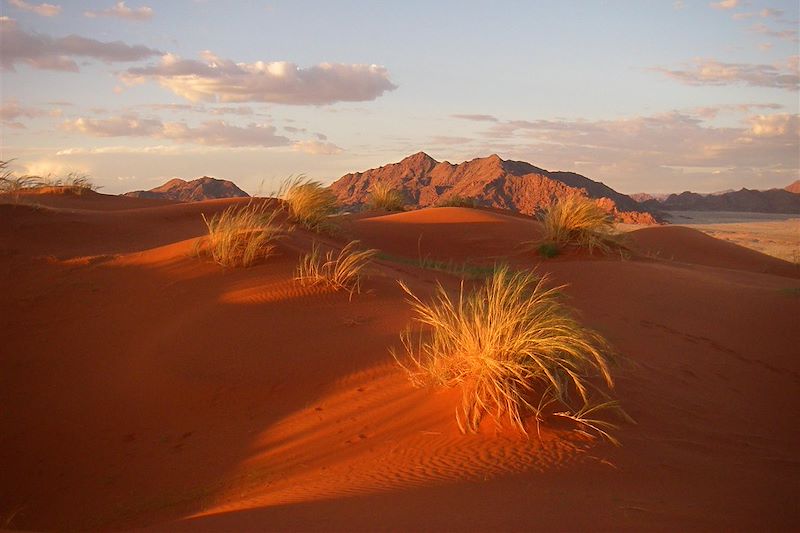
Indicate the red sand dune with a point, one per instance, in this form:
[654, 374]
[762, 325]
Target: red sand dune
[143, 387]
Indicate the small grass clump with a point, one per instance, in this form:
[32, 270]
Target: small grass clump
[579, 221]
[309, 203]
[458, 201]
[384, 196]
[504, 344]
[73, 182]
[548, 250]
[338, 271]
[240, 236]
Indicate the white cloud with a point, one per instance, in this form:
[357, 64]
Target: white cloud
[215, 79]
[316, 147]
[45, 52]
[44, 10]
[120, 10]
[713, 72]
[210, 133]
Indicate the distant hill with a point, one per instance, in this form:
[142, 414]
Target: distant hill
[794, 187]
[204, 188]
[744, 200]
[489, 181]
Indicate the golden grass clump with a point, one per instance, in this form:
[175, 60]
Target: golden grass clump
[458, 201]
[240, 236]
[384, 196]
[309, 203]
[504, 344]
[578, 220]
[11, 183]
[339, 271]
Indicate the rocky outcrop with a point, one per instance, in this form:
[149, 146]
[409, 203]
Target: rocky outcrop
[196, 190]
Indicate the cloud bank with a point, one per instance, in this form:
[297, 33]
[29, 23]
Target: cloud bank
[713, 72]
[221, 80]
[209, 133]
[45, 52]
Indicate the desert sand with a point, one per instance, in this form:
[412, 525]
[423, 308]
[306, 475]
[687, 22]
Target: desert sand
[769, 233]
[143, 387]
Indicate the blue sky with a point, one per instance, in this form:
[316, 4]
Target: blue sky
[642, 95]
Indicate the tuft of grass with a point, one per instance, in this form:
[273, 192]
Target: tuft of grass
[503, 344]
[458, 201]
[73, 182]
[579, 221]
[338, 271]
[13, 184]
[309, 203]
[240, 236]
[383, 196]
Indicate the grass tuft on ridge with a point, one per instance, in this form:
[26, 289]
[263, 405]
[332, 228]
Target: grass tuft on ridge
[241, 236]
[579, 221]
[505, 344]
[383, 196]
[309, 203]
[338, 271]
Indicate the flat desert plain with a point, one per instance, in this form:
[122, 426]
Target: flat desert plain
[144, 387]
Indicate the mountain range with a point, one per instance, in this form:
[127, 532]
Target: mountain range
[488, 181]
[785, 200]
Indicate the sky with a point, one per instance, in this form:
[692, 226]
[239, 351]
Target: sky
[643, 95]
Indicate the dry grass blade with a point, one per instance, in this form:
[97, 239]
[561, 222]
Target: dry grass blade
[502, 344]
[578, 220]
[240, 236]
[309, 202]
[339, 271]
[383, 196]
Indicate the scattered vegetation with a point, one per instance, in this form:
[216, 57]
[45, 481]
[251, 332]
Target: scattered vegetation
[309, 203]
[467, 271]
[579, 221]
[503, 344]
[383, 196]
[240, 236]
[11, 183]
[339, 271]
[458, 201]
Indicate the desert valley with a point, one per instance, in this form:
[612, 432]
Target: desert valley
[359, 266]
[180, 394]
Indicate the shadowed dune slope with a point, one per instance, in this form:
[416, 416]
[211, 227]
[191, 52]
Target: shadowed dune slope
[143, 387]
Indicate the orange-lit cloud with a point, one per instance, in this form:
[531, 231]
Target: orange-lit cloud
[120, 10]
[44, 9]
